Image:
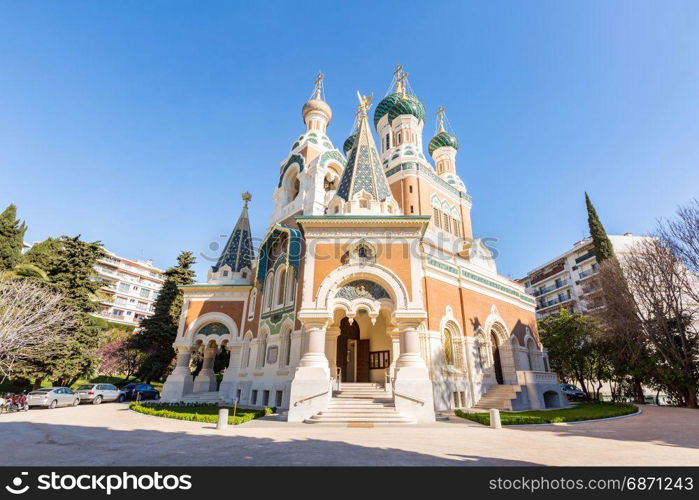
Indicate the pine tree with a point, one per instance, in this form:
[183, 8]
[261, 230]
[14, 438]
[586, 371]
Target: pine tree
[11, 238]
[70, 269]
[603, 247]
[160, 330]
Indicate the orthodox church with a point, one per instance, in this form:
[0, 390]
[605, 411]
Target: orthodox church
[368, 300]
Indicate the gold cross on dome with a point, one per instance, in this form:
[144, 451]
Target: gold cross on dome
[440, 114]
[400, 77]
[319, 83]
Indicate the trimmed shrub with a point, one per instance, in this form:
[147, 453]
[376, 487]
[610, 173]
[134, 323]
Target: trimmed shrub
[584, 411]
[205, 413]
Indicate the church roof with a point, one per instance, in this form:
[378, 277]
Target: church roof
[363, 171]
[238, 252]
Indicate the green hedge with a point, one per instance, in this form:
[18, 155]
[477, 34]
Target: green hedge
[584, 411]
[206, 414]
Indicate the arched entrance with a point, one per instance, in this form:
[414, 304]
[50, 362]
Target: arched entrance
[352, 353]
[497, 365]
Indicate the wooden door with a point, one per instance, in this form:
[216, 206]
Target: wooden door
[363, 361]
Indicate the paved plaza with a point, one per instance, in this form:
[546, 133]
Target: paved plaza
[110, 434]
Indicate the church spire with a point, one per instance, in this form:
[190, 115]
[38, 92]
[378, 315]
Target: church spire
[363, 177]
[238, 252]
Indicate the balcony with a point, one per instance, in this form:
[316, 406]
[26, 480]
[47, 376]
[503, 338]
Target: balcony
[587, 273]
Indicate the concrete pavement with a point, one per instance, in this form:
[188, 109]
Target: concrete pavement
[110, 434]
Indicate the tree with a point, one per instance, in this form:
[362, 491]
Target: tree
[33, 322]
[600, 240]
[576, 347]
[160, 330]
[70, 268]
[11, 238]
[44, 254]
[650, 298]
[120, 357]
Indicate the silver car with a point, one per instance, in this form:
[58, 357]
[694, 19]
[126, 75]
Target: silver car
[51, 397]
[96, 393]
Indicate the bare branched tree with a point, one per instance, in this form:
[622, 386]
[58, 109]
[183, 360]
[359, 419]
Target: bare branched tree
[33, 321]
[649, 298]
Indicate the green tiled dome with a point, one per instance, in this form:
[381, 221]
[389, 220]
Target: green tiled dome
[349, 143]
[384, 106]
[443, 139]
[408, 105]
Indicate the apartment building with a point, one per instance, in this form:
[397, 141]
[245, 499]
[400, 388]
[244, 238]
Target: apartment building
[565, 281]
[130, 288]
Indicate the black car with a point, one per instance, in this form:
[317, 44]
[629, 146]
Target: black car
[138, 392]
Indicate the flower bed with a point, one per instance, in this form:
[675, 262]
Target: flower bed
[198, 413]
[584, 411]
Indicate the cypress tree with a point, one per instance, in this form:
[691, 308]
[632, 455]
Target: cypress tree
[11, 238]
[160, 330]
[603, 247]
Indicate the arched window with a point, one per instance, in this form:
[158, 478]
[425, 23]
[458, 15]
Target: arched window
[453, 346]
[214, 329]
[285, 355]
[245, 362]
[290, 286]
[448, 347]
[251, 306]
[281, 275]
[436, 218]
[269, 291]
[261, 350]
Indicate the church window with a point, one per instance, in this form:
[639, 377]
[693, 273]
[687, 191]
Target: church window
[448, 347]
[290, 286]
[457, 228]
[261, 350]
[445, 223]
[225, 273]
[412, 210]
[363, 204]
[410, 189]
[269, 291]
[278, 401]
[251, 308]
[436, 218]
[398, 138]
[285, 357]
[280, 286]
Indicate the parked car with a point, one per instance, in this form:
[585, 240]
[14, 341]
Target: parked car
[138, 392]
[96, 393]
[51, 397]
[572, 392]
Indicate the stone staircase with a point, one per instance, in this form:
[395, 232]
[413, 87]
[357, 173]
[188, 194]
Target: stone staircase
[202, 397]
[360, 403]
[498, 396]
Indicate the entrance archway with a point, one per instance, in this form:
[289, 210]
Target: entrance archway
[497, 365]
[352, 353]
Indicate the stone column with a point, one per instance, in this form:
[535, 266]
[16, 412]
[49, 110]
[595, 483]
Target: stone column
[206, 380]
[179, 382]
[315, 347]
[331, 348]
[413, 391]
[227, 391]
[310, 389]
[394, 333]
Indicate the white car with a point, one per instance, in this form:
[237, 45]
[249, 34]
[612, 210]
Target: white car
[51, 397]
[96, 393]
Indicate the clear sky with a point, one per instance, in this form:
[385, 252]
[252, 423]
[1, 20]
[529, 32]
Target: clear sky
[140, 123]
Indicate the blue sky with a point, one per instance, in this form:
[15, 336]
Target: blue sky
[140, 123]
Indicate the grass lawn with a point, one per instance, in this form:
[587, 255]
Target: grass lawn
[206, 414]
[583, 411]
